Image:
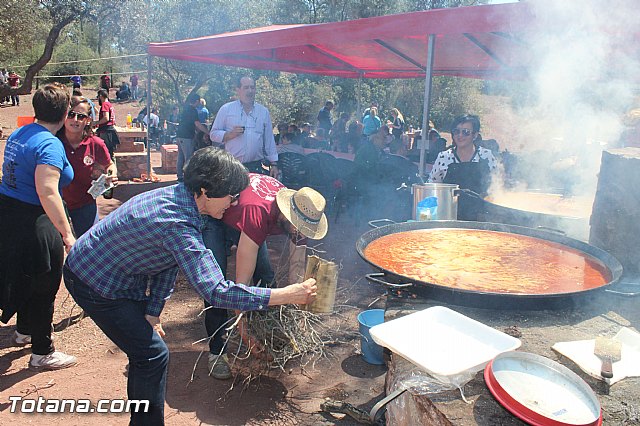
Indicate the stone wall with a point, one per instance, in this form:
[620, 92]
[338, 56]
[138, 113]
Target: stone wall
[131, 164]
[169, 158]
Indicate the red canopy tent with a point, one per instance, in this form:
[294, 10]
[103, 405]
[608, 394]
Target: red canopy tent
[477, 41]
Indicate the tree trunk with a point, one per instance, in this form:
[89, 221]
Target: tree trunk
[614, 220]
[27, 82]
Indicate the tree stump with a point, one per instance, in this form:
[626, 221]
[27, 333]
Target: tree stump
[409, 409]
[614, 221]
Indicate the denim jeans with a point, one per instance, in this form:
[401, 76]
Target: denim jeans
[123, 321]
[215, 236]
[84, 218]
[185, 152]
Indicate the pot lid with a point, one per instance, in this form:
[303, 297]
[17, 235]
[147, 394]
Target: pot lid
[541, 392]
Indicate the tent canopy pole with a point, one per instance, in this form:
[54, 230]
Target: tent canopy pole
[424, 136]
[149, 63]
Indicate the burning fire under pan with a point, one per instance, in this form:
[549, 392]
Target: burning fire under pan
[487, 265]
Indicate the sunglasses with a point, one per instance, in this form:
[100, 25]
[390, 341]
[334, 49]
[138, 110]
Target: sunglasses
[78, 115]
[234, 198]
[463, 132]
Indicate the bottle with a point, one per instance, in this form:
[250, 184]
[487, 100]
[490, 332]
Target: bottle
[129, 121]
[164, 125]
[108, 194]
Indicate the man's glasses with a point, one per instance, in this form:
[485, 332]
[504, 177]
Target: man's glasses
[234, 198]
[78, 115]
[463, 132]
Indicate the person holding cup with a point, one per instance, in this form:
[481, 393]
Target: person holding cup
[245, 129]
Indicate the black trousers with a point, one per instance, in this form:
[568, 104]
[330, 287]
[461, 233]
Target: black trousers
[36, 315]
[31, 258]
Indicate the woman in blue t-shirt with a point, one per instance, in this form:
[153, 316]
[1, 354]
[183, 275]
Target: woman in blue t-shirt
[371, 122]
[34, 229]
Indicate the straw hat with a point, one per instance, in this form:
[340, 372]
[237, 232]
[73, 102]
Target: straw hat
[304, 208]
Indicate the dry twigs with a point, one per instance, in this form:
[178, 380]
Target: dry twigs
[276, 336]
[36, 388]
[287, 333]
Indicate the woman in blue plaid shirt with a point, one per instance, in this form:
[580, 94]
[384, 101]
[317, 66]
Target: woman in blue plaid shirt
[122, 271]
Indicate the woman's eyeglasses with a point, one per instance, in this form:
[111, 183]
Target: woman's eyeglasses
[78, 115]
[463, 132]
[234, 198]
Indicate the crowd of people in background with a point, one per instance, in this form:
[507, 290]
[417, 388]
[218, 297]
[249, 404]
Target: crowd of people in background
[341, 131]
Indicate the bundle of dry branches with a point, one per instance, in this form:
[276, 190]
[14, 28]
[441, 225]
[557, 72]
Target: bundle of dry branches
[288, 332]
[281, 333]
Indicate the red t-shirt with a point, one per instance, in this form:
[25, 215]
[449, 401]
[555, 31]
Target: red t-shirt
[91, 150]
[13, 80]
[256, 213]
[107, 107]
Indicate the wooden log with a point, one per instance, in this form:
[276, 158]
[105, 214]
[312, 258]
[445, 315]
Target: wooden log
[409, 409]
[326, 276]
[614, 224]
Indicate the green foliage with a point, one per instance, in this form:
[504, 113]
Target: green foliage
[23, 24]
[453, 96]
[279, 97]
[291, 99]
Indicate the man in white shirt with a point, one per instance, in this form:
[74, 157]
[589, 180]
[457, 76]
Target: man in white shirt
[155, 120]
[154, 127]
[245, 129]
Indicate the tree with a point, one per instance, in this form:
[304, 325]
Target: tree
[58, 14]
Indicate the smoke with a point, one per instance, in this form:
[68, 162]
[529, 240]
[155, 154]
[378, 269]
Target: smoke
[583, 74]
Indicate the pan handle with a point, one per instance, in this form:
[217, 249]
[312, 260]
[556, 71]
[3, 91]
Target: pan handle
[625, 293]
[554, 230]
[373, 277]
[468, 192]
[372, 223]
[376, 412]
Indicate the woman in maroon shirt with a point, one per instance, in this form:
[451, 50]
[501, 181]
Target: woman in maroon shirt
[89, 158]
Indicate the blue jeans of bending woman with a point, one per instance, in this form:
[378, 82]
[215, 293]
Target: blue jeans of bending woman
[123, 321]
[216, 236]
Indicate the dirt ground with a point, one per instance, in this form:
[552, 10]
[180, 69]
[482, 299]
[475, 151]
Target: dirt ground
[291, 397]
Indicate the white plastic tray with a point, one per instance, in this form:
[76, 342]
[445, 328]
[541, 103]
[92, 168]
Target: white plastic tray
[443, 342]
